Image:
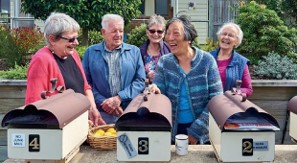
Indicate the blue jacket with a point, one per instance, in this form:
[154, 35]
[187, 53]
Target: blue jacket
[234, 70]
[131, 67]
[203, 81]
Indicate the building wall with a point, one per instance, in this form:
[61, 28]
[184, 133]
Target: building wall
[149, 7]
[198, 15]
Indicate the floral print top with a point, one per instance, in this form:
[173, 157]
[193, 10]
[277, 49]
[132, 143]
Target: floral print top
[151, 62]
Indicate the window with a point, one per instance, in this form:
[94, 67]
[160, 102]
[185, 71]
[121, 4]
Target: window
[161, 7]
[4, 5]
[142, 8]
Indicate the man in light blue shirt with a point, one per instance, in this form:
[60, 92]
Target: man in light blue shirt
[114, 69]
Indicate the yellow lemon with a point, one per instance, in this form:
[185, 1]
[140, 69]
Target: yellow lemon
[100, 132]
[108, 134]
[112, 130]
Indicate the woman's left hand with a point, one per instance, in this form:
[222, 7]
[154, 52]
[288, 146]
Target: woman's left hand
[192, 140]
[151, 75]
[95, 117]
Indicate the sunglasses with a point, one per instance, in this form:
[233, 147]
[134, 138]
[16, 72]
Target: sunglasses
[71, 40]
[152, 31]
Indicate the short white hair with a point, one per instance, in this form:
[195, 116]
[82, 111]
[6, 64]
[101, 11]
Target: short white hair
[58, 23]
[239, 33]
[110, 17]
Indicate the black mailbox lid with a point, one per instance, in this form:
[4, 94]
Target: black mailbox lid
[292, 105]
[153, 114]
[54, 112]
[228, 105]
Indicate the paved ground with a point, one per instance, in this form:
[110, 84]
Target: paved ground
[3, 153]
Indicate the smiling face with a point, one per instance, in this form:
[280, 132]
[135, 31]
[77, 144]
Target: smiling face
[61, 44]
[113, 35]
[228, 38]
[155, 33]
[175, 38]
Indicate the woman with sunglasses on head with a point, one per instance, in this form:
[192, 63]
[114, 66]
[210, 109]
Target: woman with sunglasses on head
[59, 60]
[154, 47]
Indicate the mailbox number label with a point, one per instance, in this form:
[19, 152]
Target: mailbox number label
[34, 143]
[247, 147]
[143, 146]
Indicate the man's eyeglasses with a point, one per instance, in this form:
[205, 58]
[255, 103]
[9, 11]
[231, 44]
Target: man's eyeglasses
[71, 40]
[152, 31]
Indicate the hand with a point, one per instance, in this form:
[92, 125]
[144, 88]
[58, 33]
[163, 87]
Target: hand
[95, 117]
[151, 75]
[154, 88]
[192, 140]
[118, 111]
[111, 104]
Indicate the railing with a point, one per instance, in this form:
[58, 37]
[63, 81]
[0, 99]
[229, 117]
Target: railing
[15, 22]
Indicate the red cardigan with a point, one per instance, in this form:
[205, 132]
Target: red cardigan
[43, 67]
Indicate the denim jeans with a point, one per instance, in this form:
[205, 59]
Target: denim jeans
[109, 119]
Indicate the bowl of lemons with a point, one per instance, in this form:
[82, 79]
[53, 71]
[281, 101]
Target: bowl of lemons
[103, 137]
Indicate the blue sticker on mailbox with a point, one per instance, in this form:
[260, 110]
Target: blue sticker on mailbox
[260, 145]
[127, 145]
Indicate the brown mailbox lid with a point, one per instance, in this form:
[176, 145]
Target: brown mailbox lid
[292, 105]
[222, 107]
[142, 115]
[53, 112]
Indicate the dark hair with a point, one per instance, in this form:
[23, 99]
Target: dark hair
[190, 32]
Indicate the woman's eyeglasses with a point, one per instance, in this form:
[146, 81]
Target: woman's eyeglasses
[152, 31]
[71, 40]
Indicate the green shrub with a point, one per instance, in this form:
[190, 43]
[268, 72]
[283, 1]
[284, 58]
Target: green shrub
[137, 36]
[94, 37]
[9, 52]
[264, 32]
[81, 50]
[210, 45]
[275, 66]
[18, 72]
[18, 43]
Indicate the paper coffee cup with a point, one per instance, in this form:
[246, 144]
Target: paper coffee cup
[181, 144]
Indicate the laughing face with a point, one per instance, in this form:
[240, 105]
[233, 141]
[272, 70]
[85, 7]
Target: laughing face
[155, 33]
[64, 45]
[228, 38]
[175, 38]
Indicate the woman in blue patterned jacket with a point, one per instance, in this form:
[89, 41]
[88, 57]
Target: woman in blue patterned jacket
[189, 77]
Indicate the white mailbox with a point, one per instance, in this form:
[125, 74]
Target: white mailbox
[50, 129]
[239, 130]
[144, 129]
[292, 106]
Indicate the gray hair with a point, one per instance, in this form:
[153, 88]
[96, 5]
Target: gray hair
[156, 19]
[109, 17]
[58, 23]
[190, 32]
[239, 33]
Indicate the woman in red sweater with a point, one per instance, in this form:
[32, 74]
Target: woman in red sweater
[59, 60]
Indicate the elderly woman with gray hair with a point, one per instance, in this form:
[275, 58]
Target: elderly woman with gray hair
[232, 66]
[154, 47]
[189, 77]
[59, 60]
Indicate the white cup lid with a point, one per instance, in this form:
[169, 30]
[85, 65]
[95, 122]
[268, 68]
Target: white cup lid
[181, 137]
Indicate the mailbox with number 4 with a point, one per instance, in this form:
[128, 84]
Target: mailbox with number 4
[239, 130]
[144, 129]
[50, 129]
